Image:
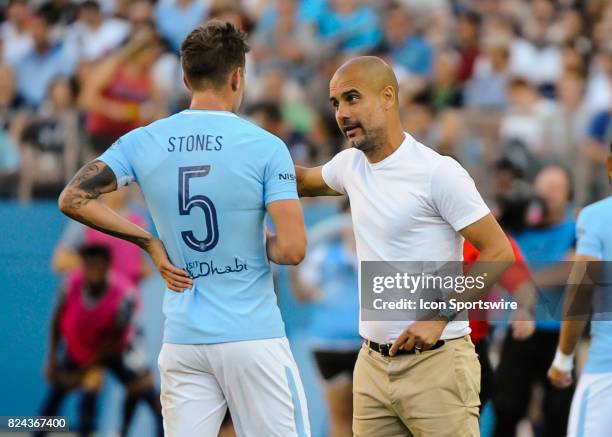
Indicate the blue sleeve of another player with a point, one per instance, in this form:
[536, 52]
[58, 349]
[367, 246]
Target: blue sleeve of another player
[118, 158]
[279, 176]
[589, 243]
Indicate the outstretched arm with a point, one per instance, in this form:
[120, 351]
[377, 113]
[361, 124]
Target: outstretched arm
[310, 182]
[79, 201]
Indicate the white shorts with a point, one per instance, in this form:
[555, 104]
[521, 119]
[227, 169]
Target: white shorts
[591, 412]
[257, 379]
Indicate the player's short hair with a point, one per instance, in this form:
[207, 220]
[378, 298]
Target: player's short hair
[210, 52]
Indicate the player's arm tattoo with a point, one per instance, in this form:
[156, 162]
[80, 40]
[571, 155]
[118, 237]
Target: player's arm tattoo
[87, 185]
[90, 181]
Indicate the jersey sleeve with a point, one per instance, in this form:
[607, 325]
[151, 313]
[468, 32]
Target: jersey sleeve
[333, 171]
[455, 196]
[589, 244]
[119, 158]
[279, 176]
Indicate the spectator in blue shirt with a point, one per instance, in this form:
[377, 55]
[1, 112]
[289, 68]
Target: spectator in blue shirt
[47, 61]
[407, 49]
[176, 18]
[524, 362]
[349, 26]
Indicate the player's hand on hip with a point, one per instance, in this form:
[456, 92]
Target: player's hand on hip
[559, 378]
[176, 279]
[421, 335]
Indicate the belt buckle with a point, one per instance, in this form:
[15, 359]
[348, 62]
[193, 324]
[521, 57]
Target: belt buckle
[384, 349]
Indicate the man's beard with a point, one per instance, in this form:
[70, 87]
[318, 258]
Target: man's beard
[369, 143]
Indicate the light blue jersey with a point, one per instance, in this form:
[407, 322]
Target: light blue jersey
[207, 177]
[595, 240]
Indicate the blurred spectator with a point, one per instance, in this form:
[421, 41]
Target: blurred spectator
[534, 56]
[349, 26]
[9, 165]
[176, 18]
[445, 91]
[93, 35]
[407, 49]
[418, 118]
[50, 145]
[489, 80]
[268, 115]
[45, 61]
[16, 39]
[468, 36]
[451, 138]
[282, 41]
[529, 119]
[59, 12]
[121, 95]
[599, 136]
[525, 362]
[328, 280]
[93, 330]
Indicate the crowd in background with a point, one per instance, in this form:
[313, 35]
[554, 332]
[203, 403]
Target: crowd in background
[526, 79]
[507, 88]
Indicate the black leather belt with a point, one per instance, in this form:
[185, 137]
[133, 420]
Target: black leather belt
[383, 349]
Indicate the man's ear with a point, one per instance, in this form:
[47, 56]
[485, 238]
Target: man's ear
[186, 82]
[389, 98]
[609, 165]
[236, 79]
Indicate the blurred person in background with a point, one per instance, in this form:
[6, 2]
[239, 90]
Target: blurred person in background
[570, 134]
[93, 330]
[121, 95]
[599, 134]
[50, 145]
[10, 131]
[525, 362]
[44, 62]
[328, 280]
[445, 91]
[93, 35]
[407, 49]
[512, 197]
[486, 88]
[59, 12]
[15, 34]
[348, 27]
[175, 19]
[418, 118]
[533, 55]
[282, 40]
[529, 119]
[268, 115]
[468, 43]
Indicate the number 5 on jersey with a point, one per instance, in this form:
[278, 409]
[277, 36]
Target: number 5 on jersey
[187, 203]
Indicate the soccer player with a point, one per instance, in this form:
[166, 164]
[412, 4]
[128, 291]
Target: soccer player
[408, 203]
[208, 178]
[592, 401]
[93, 329]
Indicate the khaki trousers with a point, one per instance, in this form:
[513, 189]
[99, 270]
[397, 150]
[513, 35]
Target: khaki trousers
[432, 394]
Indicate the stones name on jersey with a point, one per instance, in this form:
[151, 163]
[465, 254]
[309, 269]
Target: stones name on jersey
[194, 143]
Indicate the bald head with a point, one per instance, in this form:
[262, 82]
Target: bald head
[364, 93]
[369, 71]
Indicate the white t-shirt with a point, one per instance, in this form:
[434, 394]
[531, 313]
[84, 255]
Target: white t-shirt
[407, 207]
